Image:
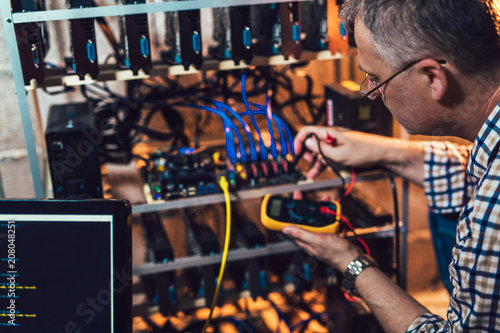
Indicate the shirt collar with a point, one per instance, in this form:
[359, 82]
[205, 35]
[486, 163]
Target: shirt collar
[487, 139]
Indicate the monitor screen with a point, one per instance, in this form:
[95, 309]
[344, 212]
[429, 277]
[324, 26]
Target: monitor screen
[65, 266]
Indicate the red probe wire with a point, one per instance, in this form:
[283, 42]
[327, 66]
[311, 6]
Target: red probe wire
[325, 210]
[351, 185]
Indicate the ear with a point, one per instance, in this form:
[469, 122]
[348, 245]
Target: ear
[435, 78]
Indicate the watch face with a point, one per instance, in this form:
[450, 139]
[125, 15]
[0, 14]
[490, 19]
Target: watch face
[355, 268]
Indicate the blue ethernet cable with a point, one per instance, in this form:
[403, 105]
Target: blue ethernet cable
[230, 146]
[263, 149]
[229, 127]
[221, 107]
[269, 112]
[285, 127]
[279, 124]
[220, 112]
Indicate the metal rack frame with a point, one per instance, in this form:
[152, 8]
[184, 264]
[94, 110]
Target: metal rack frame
[260, 192]
[243, 253]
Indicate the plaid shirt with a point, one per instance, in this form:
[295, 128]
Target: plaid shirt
[475, 267]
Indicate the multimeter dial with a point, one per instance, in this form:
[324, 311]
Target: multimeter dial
[301, 211]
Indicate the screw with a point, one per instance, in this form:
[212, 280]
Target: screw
[9, 20]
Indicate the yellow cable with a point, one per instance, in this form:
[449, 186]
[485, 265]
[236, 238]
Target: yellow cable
[225, 188]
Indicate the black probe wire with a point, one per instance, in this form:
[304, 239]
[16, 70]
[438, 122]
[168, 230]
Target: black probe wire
[323, 156]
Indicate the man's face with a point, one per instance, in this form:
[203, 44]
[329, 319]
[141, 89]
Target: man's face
[404, 95]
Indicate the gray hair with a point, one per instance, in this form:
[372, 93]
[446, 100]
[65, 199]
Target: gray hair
[464, 32]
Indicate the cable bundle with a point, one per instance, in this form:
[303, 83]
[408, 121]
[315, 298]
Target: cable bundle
[231, 130]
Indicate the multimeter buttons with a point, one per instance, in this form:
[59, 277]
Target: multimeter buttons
[278, 211]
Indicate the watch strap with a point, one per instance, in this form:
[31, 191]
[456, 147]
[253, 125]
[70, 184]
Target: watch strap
[353, 270]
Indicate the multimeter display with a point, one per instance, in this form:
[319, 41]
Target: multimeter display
[279, 211]
[276, 207]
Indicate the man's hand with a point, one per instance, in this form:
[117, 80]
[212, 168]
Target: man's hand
[358, 149]
[330, 248]
[350, 148]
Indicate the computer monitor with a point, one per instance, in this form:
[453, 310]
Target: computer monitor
[65, 266]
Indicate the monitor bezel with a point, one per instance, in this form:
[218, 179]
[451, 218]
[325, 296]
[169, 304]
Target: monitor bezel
[121, 211]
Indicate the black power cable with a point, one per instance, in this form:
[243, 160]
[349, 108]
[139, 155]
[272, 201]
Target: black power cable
[397, 230]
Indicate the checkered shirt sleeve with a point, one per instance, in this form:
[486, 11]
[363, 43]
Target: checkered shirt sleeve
[429, 323]
[447, 184]
[475, 267]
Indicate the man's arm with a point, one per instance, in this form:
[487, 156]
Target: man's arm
[357, 149]
[394, 309]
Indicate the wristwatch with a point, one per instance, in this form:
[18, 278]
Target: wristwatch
[355, 268]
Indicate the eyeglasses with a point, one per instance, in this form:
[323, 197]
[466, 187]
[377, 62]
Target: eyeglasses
[367, 79]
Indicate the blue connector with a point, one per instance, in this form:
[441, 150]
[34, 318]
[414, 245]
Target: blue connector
[211, 189]
[244, 285]
[202, 190]
[307, 272]
[172, 294]
[247, 37]
[91, 51]
[343, 30]
[263, 279]
[196, 38]
[36, 59]
[296, 33]
[145, 50]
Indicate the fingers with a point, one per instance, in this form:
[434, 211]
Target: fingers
[325, 141]
[315, 244]
[297, 195]
[331, 248]
[311, 144]
[309, 157]
[326, 198]
[316, 169]
[306, 247]
[303, 235]
[304, 133]
[320, 147]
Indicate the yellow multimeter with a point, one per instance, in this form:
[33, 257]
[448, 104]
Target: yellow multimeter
[278, 211]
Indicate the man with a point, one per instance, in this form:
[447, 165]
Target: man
[436, 65]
